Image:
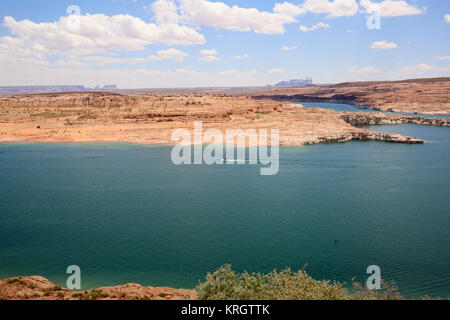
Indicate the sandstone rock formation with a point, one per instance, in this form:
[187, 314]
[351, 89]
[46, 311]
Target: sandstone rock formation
[39, 288]
[151, 119]
[364, 118]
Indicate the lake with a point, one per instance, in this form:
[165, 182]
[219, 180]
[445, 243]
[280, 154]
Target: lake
[125, 213]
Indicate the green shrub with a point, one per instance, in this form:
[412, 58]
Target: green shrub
[52, 114]
[16, 281]
[94, 295]
[225, 284]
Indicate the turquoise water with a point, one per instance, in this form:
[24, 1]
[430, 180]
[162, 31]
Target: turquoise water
[350, 108]
[124, 213]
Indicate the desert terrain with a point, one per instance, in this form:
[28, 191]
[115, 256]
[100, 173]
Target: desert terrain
[143, 118]
[425, 96]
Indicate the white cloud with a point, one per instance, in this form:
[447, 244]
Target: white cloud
[443, 58]
[414, 71]
[209, 55]
[345, 8]
[236, 73]
[165, 11]
[319, 25]
[286, 48]
[275, 71]
[209, 58]
[383, 45]
[418, 70]
[220, 15]
[244, 56]
[70, 63]
[209, 52]
[391, 8]
[355, 72]
[30, 49]
[96, 34]
[288, 9]
[133, 78]
[336, 8]
[250, 75]
[170, 54]
[99, 32]
[447, 18]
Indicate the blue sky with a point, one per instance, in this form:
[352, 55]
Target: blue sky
[190, 43]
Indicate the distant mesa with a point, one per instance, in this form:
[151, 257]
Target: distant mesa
[308, 82]
[40, 89]
[10, 90]
[107, 87]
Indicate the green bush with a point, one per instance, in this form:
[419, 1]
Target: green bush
[225, 284]
[52, 114]
[94, 295]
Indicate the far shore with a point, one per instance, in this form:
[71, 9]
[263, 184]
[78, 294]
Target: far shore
[151, 119]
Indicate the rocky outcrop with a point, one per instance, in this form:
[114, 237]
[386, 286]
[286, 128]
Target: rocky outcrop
[364, 118]
[39, 288]
[69, 100]
[368, 136]
[386, 137]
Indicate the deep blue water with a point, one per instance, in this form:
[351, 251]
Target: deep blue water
[124, 213]
[351, 108]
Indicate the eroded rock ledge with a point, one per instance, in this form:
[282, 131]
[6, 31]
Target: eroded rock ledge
[369, 136]
[364, 118]
[39, 288]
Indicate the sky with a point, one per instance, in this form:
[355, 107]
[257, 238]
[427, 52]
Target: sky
[206, 43]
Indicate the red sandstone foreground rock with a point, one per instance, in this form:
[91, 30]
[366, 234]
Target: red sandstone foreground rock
[151, 119]
[39, 288]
